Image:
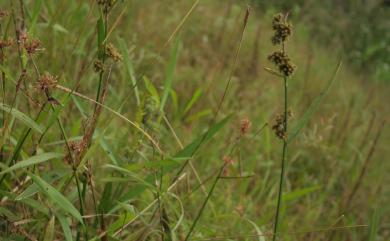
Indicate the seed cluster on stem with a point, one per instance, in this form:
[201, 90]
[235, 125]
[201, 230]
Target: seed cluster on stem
[282, 31]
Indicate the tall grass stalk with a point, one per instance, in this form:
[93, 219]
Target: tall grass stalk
[283, 30]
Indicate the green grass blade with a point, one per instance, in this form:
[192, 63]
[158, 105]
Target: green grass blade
[190, 149]
[22, 117]
[129, 68]
[55, 196]
[374, 226]
[312, 108]
[151, 89]
[195, 97]
[32, 161]
[296, 194]
[65, 225]
[35, 14]
[170, 73]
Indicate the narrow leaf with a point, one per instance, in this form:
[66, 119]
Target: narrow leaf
[56, 197]
[22, 117]
[33, 161]
[170, 72]
[65, 225]
[313, 107]
[129, 68]
[190, 149]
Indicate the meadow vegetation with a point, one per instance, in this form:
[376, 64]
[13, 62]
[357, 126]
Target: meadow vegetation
[166, 120]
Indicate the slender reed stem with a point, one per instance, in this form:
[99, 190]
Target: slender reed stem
[284, 152]
[204, 203]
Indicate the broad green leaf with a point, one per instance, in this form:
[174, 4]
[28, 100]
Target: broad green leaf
[22, 117]
[56, 197]
[313, 107]
[49, 232]
[129, 68]
[170, 73]
[33, 161]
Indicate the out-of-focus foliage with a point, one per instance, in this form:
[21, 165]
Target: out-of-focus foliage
[359, 27]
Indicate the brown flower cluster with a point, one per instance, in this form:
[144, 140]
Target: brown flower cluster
[280, 59]
[98, 66]
[46, 82]
[245, 126]
[279, 126]
[282, 28]
[4, 43]
[106, 5]
[113, 53]
[31, 45]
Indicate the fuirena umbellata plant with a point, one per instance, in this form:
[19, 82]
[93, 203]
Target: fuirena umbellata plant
[282, 31]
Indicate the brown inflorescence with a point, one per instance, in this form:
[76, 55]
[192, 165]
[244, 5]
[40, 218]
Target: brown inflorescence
[279, 127]
[113, 53]
[4, 43]
[31, 45]
[98, 66]
[281, 59]
[46, 82]
[282, 28]
[106, 5]
[245, 126]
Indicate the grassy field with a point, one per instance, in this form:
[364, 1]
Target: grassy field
[155, 120]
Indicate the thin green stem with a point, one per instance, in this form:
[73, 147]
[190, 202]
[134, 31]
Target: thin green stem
[204, 203]
[284, 152]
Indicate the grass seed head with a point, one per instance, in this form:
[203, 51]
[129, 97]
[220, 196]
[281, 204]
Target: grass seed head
[4, 43]
[31, 45]
[98, 66]
[106, 5]
[245, 126]
[113, 53]
[46, 82]
[283, 62]
[283, 29]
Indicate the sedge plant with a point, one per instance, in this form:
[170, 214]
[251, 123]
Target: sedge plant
[282, 31]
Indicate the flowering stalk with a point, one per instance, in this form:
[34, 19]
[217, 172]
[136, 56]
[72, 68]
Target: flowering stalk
[283, 30]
